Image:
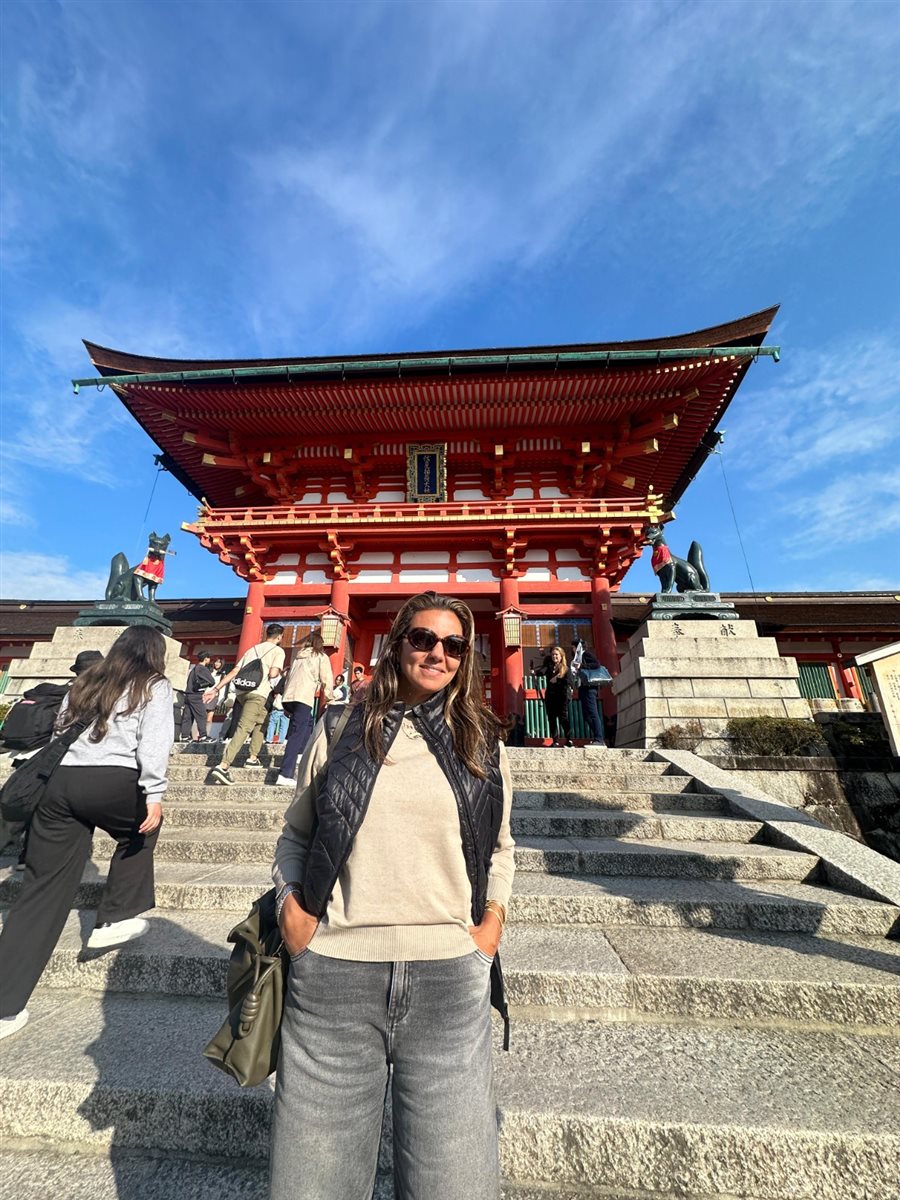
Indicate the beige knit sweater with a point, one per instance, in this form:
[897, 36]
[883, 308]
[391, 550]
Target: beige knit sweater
[403, 893]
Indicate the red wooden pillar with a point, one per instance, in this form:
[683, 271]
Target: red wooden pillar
[849, 686]
[340, 602]
[513, 672]
[604, 637]
[252, 628]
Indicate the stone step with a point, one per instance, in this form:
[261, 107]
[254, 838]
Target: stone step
[676, 973]
[630, 781]
[518, 755]
[126, 1174]
[695, 802]
[645, 775]
[559, 822]
[215, 795]
[651, 857]
[596, 755]
[615, 1105]
[660, 826]
[550, 899]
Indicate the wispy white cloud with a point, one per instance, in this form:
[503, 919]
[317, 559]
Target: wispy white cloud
[817, 452]
[844, 514]
[47, 577]
[46, 426]
[822, 408]
[365, 225]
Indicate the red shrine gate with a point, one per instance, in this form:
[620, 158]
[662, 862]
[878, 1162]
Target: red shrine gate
[519, 480]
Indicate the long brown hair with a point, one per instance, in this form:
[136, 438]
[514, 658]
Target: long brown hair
[136, 661]
[474, 727]
[313, 643]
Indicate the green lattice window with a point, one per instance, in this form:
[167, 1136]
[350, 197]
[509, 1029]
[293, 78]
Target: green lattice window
[815, 681]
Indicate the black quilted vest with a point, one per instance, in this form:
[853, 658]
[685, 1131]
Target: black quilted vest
[343, 800]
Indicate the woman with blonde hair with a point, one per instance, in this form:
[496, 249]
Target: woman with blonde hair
[310, 671]
[557, 694]
[112, 777]
[393, 873]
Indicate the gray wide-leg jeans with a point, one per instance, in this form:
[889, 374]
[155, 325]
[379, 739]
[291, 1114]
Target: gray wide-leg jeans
[353, 1029]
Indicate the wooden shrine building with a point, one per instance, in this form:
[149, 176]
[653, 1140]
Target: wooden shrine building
[520, 480]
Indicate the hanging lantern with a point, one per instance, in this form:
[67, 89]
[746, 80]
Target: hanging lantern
[330, 627]
[512, 626]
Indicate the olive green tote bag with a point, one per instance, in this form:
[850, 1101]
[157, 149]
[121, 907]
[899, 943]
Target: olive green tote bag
[246, 1046]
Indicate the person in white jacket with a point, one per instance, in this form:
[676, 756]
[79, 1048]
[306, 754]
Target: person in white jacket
[113, 777]
[310, 670]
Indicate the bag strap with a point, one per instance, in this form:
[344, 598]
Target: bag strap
[340, 725]
[60, 747]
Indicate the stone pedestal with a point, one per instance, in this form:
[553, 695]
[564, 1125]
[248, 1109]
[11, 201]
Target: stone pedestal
[49, 662]
[125, 612]
[691, 606]
[705, 671]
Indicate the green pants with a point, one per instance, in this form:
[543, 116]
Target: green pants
[251, 721]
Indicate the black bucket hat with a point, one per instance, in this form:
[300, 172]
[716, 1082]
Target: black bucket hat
[85, 659]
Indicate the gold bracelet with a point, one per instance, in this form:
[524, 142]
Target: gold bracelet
[498, 910]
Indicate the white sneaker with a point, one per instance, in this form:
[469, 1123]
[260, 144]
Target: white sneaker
[116, 933]
[11, 1025]
[285, 781]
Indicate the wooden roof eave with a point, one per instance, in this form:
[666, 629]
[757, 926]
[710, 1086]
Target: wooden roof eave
[745, 331]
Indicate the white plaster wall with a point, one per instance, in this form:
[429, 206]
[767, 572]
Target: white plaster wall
[425, 556]
[372, 577]
[424, 577]
[476, 575]
[475, 556]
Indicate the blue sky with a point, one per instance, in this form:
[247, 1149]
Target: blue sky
[236, 179]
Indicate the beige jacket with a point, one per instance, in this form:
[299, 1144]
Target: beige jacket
[308, 672]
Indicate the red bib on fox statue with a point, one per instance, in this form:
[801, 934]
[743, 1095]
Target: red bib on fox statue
[152, 568]
[660, 557]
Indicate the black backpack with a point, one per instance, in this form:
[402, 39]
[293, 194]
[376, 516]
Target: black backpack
[249, 677]
[29, 723]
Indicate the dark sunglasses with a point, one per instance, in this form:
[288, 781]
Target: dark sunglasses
[423, 639]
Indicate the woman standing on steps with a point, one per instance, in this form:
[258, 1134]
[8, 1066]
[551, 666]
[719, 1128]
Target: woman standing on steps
[113, 777]
[393, 871]
[557, 693]
[310, 671]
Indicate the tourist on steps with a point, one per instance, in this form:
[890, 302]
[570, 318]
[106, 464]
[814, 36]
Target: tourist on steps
[557, 693]
[310, 671]
[194, 711]
[250, 702]
[588, 697]
[112, 777]
[393, 873]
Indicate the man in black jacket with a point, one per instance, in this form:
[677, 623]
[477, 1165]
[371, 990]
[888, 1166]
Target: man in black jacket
[582, 658]
[194, 710]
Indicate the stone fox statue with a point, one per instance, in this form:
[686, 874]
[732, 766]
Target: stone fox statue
[128, 583]
[686, 575]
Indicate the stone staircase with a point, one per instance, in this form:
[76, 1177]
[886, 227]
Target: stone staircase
[698, 1012]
